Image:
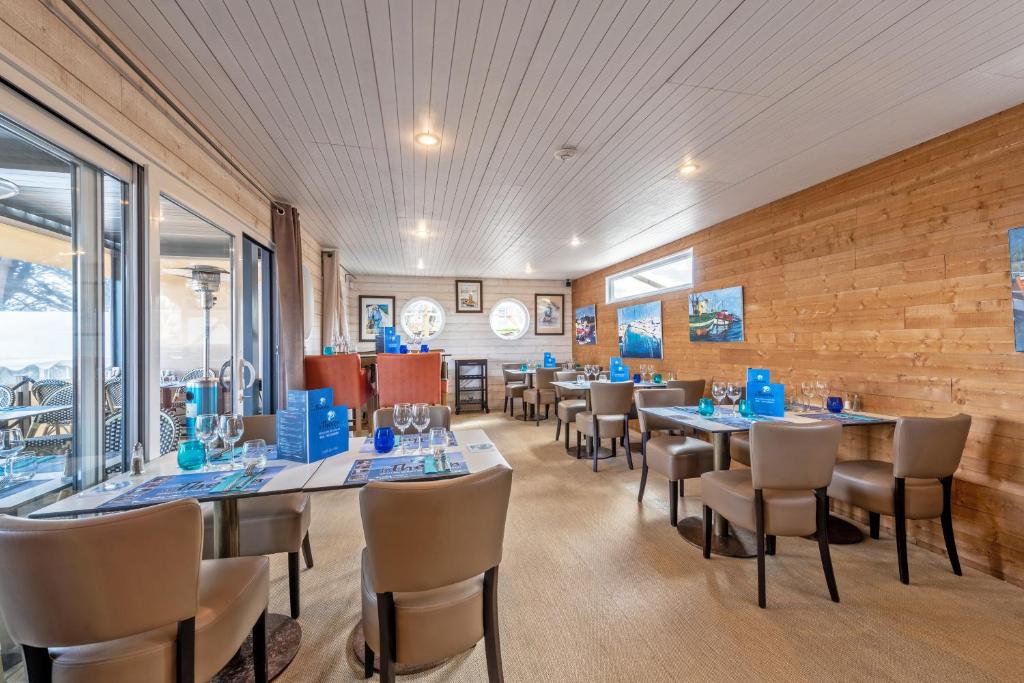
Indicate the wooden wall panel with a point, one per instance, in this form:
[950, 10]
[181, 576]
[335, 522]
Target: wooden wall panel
[892, 281]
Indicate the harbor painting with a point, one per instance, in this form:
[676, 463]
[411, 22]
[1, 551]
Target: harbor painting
[640, 331]
[586, 324]
[1017, 285]
[717, 316]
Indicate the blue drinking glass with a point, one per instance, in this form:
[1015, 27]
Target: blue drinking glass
[637, 378]
[744, 408]
[383, 439]
[403, 349]
[191, 455]
[524, 367]
[706, 407]
[424, 348]
[834, 404]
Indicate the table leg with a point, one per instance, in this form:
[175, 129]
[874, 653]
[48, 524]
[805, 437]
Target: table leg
[226, 527]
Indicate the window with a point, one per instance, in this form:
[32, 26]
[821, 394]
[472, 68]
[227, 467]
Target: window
[664, 275]
[422, 319]
[510, 319]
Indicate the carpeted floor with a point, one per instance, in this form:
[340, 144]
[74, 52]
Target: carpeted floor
[595, 587]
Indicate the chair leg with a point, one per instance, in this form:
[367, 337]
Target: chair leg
[39, 666]
[578, 437]
[822, 533]
[259, 649]
[505, 407]
[536, 414]
[947, 524]
[762, 600]
[367, 660]
[707, 532]
[547, 410]
[185, 654]
[673, 502]
[307, 551]
[626, 444]
[566, 436]
[614, 452]
[899, 503]
[874, 524]
[386, 620]
[769, 544]
[643, 480]
[293, 583]
[492, 641]
[595, 443]
[558, 429]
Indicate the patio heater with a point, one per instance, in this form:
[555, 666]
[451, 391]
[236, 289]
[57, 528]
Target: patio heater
[202, 394]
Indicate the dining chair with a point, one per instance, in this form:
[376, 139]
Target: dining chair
[60, 420]
[112, 394]
[6, 396]
[348, 380]
[918, 484]
[694, 389]
[270, 524]
[409, 378]
[127, 597]
[569, 403]
[440, 417]
[542, 393]
[197, 373]
[608, 418]
[430, 569]
[677, 458]
[42, 388]
[784, 493]
[515, 386]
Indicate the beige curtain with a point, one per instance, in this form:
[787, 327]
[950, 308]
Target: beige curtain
[284, 220]
[330, 325]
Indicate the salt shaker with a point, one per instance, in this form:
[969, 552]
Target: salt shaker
[138, 459]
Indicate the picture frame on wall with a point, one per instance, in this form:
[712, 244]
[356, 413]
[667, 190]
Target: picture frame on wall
[469, 296]
[717, 315]
[548, 314]
[1016, 240]
[375, 312]
[586, 325]
[640, 331]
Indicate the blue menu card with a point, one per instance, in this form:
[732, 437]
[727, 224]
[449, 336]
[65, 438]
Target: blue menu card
[549, 359]
[311, 428]
[761, 375]
[766, 398]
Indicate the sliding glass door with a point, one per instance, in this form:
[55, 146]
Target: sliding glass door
[259, 345]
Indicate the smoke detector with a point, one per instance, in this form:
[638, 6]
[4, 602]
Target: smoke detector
[566, 153]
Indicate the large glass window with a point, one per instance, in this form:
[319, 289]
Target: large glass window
[422, 319]
[664, 275]
[258, 343]
[510, 319]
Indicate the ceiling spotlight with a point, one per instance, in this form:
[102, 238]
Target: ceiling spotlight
[8, 189]
[688, 169]
[565, 153]
[421, 230]
[529, 268]
[574, 242]
[428, 138]
[419, 265]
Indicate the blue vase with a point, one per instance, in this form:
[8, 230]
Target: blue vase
[705, 407]
[191, 455]
[834, 404]
[383, 439]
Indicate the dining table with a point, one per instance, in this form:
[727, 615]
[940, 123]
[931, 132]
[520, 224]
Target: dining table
[163, 481]
[726, 421]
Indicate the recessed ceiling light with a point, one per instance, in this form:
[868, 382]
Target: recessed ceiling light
[688, 169]
[419, 265]
[421, 230]
[428, 138]
[529, 268]
[574, 242]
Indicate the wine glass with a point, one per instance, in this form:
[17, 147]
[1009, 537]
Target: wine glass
[230, 429]
[254, 453]
[420, 420]
[821, 389]
[402, 419]
[12, 442]
[718, 391]
[206, 432]
[734, 392]
[807, 389]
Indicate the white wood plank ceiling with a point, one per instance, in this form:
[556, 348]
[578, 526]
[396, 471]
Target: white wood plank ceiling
[320, 101]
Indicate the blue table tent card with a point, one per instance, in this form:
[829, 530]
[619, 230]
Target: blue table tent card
[760, 375]
[767, 398]
[311, 428]
[619, 373]
[549, 359]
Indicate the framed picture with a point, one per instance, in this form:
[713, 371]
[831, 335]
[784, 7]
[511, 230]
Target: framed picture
[586, 324]
[1017, 285]
[469, 296]
[547, 318]
[375, 312]
[640, 331]
[717, 316]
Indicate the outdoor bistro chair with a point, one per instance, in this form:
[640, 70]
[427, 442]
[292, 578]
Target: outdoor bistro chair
[784, 493]
[42, 388]
[6, 396]
[139, 605]
[918, 484]
[57, 421]
[113, 393]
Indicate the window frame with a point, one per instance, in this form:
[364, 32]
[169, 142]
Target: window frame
[526, 326]
[410, 302]
[685, 254]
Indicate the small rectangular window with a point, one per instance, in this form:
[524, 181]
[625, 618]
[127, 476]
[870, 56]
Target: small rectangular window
[664, 275]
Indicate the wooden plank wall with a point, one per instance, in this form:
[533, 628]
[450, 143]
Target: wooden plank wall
[892, 281]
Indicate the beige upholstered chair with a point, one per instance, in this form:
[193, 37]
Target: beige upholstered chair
[782, 494]
[440, 416]
[608, 418]
[542, 393]
[430, 568]
[675, 457]
[694, 389]
[125, 597]
[918, 484]
[515, 385]
[570, 403]
[270, 524]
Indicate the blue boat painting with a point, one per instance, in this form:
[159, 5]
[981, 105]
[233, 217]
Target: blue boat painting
[586, 324]
[1017, 285]
[717, 316]
[640, 331]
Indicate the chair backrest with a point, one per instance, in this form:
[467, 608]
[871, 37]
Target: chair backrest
[694, 389]
[926, 447]
[113, 394]
[44, 387]
[342, 373]
[511, 366]
[169, 432]
[408, 378]
[611, 398]
[6, 396]
[440, 416]
[260, 427]
[657, 398]
[566, 375]
[784, 455]
[513, 375]
[78, 581]
[424, 535]
[61, 396]
[544, 378]
[112, 426]
[196, 373]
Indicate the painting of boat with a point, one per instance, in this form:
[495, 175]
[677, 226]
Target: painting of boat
[717, 316]
[1017, 285]
[640, 331]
